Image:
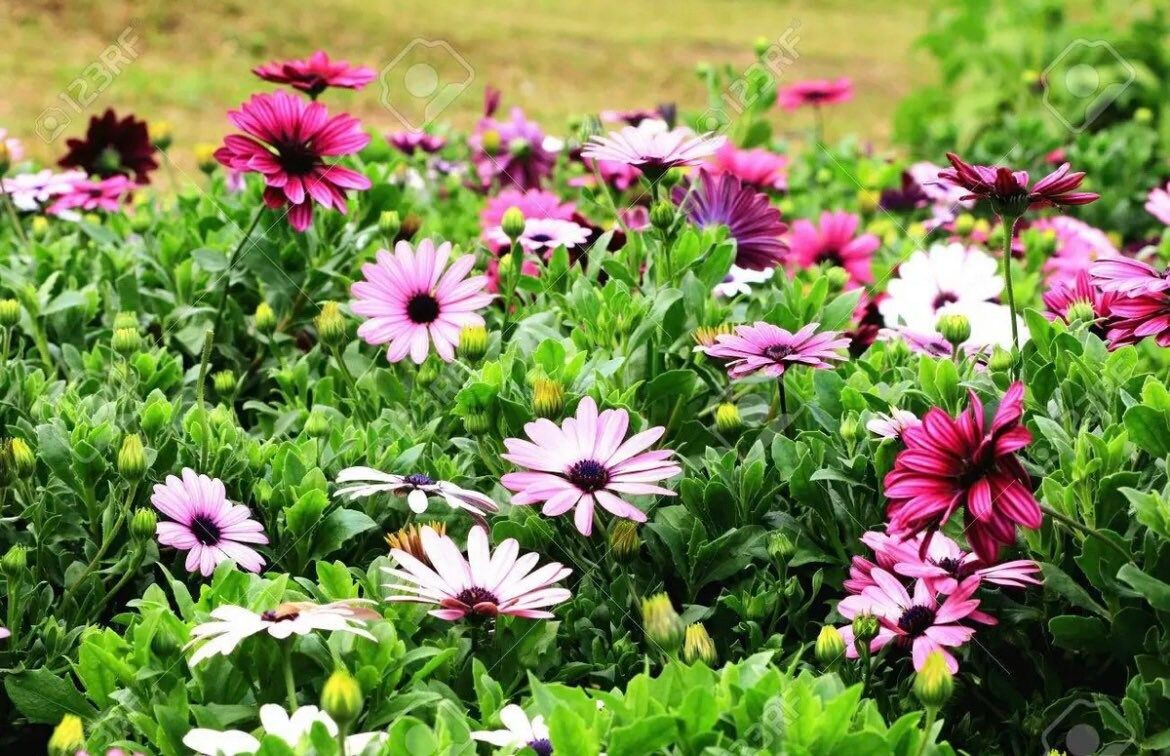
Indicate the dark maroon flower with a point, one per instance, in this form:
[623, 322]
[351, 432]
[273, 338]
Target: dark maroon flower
[1008, 190]
[113, 147]
[315, 74]
[722, 199]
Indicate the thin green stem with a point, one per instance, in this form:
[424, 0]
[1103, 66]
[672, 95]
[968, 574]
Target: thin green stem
[1081, 527]
[227, 284]
[351, 384]
[1009, 225]
[290, 683]
[200, 388]
[931, 713]
[11, 209]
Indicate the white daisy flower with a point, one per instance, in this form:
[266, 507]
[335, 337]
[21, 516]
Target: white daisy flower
[894, 424]
[518, 732]
[947, 278]
[274, 720]
[231, 625]
[740, 280]
[418, 488]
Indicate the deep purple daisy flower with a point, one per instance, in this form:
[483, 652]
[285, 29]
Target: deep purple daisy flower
[723, 200]
[113, 146]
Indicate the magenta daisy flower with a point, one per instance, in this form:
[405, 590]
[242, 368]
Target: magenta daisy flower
[113, 147]
[534, 203]
[835, 242]
[1128, 277]
[1132, 319]
[652, 147]
[543, 235]
[757, 168]
[482, 583]
[943, 564]
[106, 194]
[1009, 191]
[410, 142]
[315, 74]
[816, 92]
[511, 152]
[722, 200]
[1158, 203]
[1061, 296]
[411, 298]
[771, 350]
[920, 622]
[586, 461]
[287, 139]
[205, 524]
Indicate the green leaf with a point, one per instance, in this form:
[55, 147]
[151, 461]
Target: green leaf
[570, 736]
[1156, 592]
[646, 735]
[44, 697]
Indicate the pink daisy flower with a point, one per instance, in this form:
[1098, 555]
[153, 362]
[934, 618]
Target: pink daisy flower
[543, 235]
[652, 147]
[1009, 191]
[758, 168]
[286, 140]
[948, 463]
[943, 564]
[411, 298]
[315, 74]
[771, 350]
[1077, 245]
[722, 200]
[585, 462]
[1158, 204]
[1061, 296]
[410, 142]
[920, 622]
[513, 152]
[29, 191]
[534, 203]
[205, 524]
[1140, 303]
[484, 583]
[894, 424]
[1128, 277]
[89, 195]
[816, 92]
[835, 242]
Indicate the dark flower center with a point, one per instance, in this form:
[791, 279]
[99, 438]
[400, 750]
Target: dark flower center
[273, 615]
[831, 256]
[778, 352]
[109, 161]
[943, 299]
[422, 308]
[205, 530]
[949, 564]
[589, 475]
[540, 238]
[296, 159]
[418, 479]
[915, 620]
[542, 746]
[476, 595]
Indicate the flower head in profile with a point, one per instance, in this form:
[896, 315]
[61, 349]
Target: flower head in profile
[543, 235]
[587, 461]
[416, 487]
[519, 732]
[314, 74]
[232, 625]
[113, 146]
[205, 524]
[286, 139]
[815, 93]
[723, 200]
[758, 168]
[920, 622]
[413, 298]
[88, 195]
[411, 142]
[942, 564]
[771, 350]
[275, 720]
[483, 583]
[29, 191]
[950, 464]
[1129, 277]
[652, 147]
[894, 424]
[834, 241]
[1010, 192]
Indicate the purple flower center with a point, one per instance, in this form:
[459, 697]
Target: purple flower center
[950, 565]
[418, 479]
[476, 595]
[915, 620]
[943, 299]
[778, 352]
[540, 238]
[205, 530]
[296, 158]
[422, 308]
[273, 615]
[542, 746]
[589, 475]
[831, 256]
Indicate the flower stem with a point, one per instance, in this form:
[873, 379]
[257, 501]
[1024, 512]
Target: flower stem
[11, 209]
[290, 682]
[1081, 527]
[931, 713]
[1009, 225]
[227, 284]
[341, 730]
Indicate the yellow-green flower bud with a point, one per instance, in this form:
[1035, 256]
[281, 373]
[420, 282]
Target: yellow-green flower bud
[698, 646]
[205, 157]
[1001, 360]
[761, 46]
[125, 320]
[548, 397]
[68, 737]
[155, 415]
[1081, 311]
[264, 318]
[14, 562]
[662, 215]
[1143, 115]
[490, 141]
[341, 698]
[473, 343]
[512, 223]
[830, 645]
[934, 683]
[850, 426]
[24, 462]
[865, 629]
[476, 423]
[838, 277]
[332, 329]
[428, 372]
[661, 622]
[624, 540]
[224, 383]
[143, 524]
[132, 458]
[964, 224]
[671, 178]
[727, 418]
[390, 223]
[161, 135]
[317, 426]
[780, 547]
[955, 328]
[9, 312]
[39, 225]
[868, 199]
[126, 341]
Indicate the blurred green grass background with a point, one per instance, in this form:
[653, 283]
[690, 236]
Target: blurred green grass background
[555, 58]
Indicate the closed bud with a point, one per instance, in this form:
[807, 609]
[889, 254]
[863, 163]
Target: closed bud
[341, 698]
[761, 46]
[1001, 360]
[155, 415]
[473, 343]
[24, 462]
[865, 629]
[317, 426]
[264, 318]
[506, 265]
[727, 419]
[698, 646]
[830, 645]
[964, 224]
[14, 563]
[125, 320]
[428, 372]
[512, 223]
[332, 329]
[205, 157]
[661, 622]
[671, 178]
[143, 525]
[519, 147]
[662, 215]
[68, 737]
[221, 417]
[132, 458]
[477, 422]
[780, 547]
[9, 312]
[934, 683]
[161, 135]
[490, 140]
[624, 540]
[390, 223]
[868, 199]
[838, 277]
[1143, 115]
[955, 328]
[126, 341]
[39, 225]
[1081, 311]
[850, 427]
[224, 383]
[548, 397]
